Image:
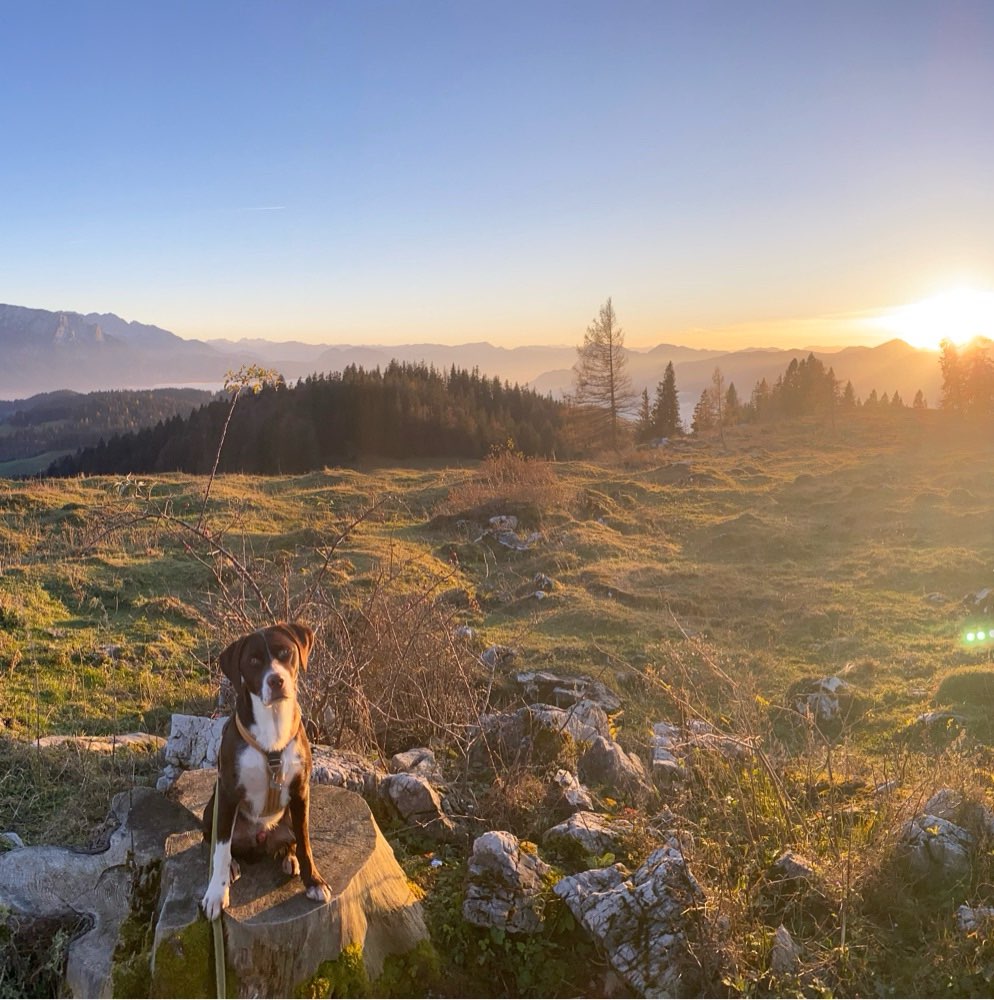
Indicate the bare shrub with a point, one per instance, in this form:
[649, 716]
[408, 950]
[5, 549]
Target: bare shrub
[389, 675]
[507, 476]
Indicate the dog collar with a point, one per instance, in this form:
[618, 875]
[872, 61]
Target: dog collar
[274, 761]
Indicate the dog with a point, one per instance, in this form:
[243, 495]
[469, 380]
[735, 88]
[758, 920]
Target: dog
[263, 766]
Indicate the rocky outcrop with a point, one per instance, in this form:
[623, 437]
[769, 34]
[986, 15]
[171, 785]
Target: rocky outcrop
[504, 884]
[564, 690]
[275, 937]
[607, 765]
[640, 919]
[566, 795]
[538, 730]
[344, 769]
[59, 884]
[193, 743]
[586, 833]
[936, 852]
[417, 803]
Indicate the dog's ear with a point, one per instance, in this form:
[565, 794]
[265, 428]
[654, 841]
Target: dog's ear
[228, 661]
[303, 637]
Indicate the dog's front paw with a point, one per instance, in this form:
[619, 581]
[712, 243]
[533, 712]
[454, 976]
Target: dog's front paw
[319, 892]
[291, 866]
[215, 900]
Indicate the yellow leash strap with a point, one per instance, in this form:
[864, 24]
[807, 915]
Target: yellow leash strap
[220, 972]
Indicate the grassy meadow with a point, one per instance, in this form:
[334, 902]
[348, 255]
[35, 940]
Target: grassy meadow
[706, 579]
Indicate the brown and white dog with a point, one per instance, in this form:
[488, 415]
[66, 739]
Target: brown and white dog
[264, 765]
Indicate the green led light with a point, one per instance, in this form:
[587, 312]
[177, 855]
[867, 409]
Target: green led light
[970, 636]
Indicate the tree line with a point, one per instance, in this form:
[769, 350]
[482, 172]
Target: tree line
[404, 411]
[604, 394]
[57, 421]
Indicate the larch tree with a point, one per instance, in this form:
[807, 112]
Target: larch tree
[602, 382]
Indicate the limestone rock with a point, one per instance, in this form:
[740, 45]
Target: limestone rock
[194, 741]
[588, 833]
[640, 920]
[106, 744]
[497, 656]
[666, 767]
[420, 760]
[416, 802]
[275, 937]
[504, 885]
[606, 764]
[59, 883]
[936, 852]
[345, 769]
[564, 690]
[971, 919]
[541, 729]
[791, 867]
[785, 955]
[567, 795]
[826, 700]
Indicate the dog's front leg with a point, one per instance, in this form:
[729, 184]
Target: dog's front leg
[216, 897]
[315, 887]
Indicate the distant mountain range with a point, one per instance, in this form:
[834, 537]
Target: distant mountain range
[44, 351]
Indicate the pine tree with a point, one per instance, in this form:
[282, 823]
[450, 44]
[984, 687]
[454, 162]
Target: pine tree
[666, 408]
[644, 428]
[704, 415]
[919, 403]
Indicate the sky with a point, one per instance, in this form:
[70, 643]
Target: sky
[731, 174]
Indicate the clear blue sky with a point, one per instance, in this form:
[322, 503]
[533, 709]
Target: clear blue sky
[387, 172]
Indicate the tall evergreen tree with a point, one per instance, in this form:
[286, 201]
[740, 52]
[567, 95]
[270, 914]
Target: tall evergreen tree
[704, 417]
[666, 408]
[643, 429]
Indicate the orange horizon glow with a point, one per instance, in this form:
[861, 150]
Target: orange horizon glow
[956, 314]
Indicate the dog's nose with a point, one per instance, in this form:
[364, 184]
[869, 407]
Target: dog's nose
[276, 682]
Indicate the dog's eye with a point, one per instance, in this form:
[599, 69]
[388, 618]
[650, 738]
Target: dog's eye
[283, 654]
[255, 659]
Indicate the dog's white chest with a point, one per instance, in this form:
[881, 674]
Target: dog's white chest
[256, 778]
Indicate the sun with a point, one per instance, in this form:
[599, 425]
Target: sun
[958, 314]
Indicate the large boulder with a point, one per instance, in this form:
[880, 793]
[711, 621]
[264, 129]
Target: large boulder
[641, 920]
[504, 884]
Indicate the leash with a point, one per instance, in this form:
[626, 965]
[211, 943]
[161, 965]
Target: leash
[220, 972]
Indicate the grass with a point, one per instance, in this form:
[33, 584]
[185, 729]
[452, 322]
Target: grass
[698, 581]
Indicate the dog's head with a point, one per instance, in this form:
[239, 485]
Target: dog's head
[265, 662]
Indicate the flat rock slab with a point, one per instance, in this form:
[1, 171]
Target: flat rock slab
[275, 937]
[60, 883]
